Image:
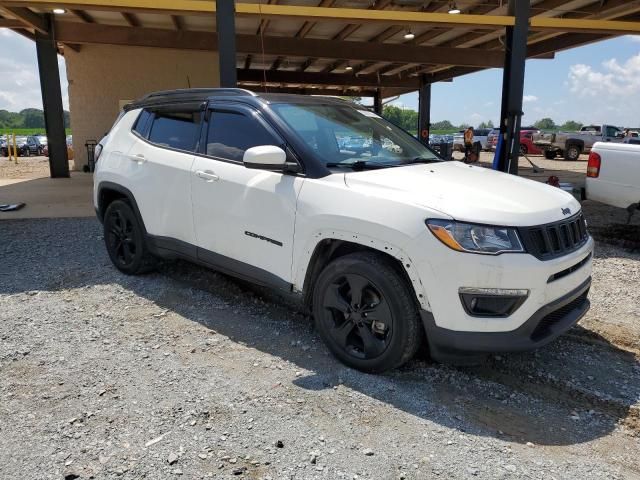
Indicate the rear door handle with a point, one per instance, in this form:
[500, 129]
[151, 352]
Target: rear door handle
[207, 175]
[138, 158]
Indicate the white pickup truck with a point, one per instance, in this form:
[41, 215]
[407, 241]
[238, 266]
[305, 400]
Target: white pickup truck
[613, 175]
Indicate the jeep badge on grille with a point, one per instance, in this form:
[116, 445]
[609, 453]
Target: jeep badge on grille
[566, 211]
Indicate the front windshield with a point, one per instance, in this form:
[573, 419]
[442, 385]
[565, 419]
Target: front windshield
[343, 135]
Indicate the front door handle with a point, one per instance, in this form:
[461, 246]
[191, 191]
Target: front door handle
[137, 158]
[207, 175]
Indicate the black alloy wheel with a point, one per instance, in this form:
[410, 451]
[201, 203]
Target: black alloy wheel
[124, 238]
[360, 318]
[366, 312]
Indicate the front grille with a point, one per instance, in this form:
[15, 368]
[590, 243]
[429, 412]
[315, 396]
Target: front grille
[555, 239]
[544, 327]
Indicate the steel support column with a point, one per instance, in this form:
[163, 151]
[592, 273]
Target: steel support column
[226, 27]
[47, 53]
[513, 86]
[424, 112]
[377, 102]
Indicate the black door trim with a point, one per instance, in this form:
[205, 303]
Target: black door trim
[170, 248]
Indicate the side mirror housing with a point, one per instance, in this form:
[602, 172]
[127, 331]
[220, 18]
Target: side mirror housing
[265, 157]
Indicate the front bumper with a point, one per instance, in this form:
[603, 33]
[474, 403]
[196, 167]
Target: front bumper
[546, 324]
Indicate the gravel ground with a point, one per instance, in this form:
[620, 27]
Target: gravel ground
[185, 373]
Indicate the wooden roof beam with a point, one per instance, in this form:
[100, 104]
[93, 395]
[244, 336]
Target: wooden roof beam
[6, 23]
[177, 22]
[28, 18]
[82, 15]
[131, 19]
[303, 32]
[73, 32]
[308, 78]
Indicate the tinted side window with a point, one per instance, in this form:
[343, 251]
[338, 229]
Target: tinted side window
[142, 123]
[179, 130]
[611, 131]
[230, 134]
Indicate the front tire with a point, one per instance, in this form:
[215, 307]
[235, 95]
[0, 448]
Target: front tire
[549, 154]
[572, 153]
[124, 239]
[524, 150]
[366, 312]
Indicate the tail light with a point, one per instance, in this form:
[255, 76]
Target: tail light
[97, 152]
[593, 167]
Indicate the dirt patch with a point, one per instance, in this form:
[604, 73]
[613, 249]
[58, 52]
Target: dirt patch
[620, 235]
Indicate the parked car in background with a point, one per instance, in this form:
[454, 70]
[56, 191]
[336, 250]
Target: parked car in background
[613, 174]
[26, 145]
[20, 144]
[527, 145]
[480, 135]
[43, 142]
[355, 144]
[492, 138]
[34, 145]
[23, 147]
[382, 246]
[458, 141]
[571, 145]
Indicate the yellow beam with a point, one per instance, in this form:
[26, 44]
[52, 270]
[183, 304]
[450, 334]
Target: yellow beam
[273, 11]
[150, 6]
[571, 25]
[361, 15]
[349, 15]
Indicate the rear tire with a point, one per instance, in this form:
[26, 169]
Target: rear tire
[572, 153]
[125, 240]
[524, 150]
[366, 312]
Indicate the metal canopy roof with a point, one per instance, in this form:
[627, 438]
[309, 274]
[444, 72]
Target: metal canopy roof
[334, 46]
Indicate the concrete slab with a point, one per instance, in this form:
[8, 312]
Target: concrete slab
[48, 198]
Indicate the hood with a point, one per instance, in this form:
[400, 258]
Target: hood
[468, 193]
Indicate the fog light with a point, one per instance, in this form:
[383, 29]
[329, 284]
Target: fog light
[491, 302]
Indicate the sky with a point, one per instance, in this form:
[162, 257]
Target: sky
[598, 83]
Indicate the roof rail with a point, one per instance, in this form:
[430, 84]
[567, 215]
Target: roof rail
[199, 92]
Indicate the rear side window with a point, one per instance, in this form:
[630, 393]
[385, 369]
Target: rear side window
[142, 124]
[179, 130]
[231, 134]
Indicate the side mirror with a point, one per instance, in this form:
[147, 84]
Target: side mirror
[265, 157]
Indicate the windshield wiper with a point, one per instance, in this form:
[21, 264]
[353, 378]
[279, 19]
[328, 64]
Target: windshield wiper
[360, 165]
[422, 160]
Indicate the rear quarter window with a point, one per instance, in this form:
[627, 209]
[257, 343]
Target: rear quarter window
[141, 126]
[178, 130]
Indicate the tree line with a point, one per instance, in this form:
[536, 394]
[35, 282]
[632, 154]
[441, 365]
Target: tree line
[408, 120]
[27, 118]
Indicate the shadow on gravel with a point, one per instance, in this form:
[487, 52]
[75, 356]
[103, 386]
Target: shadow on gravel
[573, 391]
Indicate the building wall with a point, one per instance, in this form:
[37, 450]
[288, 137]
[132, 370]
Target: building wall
[101, 77]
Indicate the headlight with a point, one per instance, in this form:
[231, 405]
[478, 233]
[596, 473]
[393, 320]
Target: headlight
[468, 237]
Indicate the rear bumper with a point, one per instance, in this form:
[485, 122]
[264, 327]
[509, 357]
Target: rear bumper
[545, 325]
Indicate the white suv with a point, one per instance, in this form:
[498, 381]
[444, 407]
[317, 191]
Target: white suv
[385, 243]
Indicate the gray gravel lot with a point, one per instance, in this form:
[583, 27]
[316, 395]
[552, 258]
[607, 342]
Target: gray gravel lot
[186, 373]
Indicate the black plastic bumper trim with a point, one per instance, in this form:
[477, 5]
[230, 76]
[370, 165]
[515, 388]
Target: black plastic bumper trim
[457, 347]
